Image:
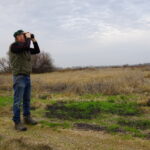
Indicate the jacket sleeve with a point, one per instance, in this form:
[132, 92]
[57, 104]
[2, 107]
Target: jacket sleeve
[36, 49]
[19, 47]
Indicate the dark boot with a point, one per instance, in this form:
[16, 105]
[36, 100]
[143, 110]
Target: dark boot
[29, 120]
[20, 127]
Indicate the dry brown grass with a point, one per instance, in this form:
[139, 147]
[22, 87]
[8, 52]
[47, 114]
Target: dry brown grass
[106, 81]
[37, 138]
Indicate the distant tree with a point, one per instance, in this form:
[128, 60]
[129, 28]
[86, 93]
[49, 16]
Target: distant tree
[126, 65]
[5, 65]
[42, 63]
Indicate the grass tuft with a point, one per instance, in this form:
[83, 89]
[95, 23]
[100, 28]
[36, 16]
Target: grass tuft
[139, 124]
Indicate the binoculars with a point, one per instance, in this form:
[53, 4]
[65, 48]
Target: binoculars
[32, 35]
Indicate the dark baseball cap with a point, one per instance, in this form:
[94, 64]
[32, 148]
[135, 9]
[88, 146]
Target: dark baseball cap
[18, 33]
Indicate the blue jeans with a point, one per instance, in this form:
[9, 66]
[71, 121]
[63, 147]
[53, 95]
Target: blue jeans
[22, 91]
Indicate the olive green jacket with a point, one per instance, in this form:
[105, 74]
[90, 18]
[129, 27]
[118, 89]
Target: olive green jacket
[20, 58]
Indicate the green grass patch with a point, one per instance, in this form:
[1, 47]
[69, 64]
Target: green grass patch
[135, 132]
[91, 96]
[4, 101]
[108, 97]
[113, 128]
[141, 135]
[55, 124]
[131, 129]
[139, 124]
[90, 109]
[121, 97]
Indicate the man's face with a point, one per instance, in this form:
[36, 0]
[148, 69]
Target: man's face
[20, 38]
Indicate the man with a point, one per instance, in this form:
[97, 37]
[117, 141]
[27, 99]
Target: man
[20, 60]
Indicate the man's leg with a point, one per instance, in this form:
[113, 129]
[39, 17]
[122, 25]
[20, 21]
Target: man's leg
[27, 97]
[18, 86]
[26, 103]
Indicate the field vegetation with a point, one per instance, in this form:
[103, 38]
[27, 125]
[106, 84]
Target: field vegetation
[84, 109]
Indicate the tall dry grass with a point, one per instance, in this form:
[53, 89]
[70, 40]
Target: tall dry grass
[106, 81]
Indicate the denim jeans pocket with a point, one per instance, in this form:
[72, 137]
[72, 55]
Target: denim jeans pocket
[18, 78]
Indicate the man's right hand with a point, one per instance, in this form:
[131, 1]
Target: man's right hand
[28, 35]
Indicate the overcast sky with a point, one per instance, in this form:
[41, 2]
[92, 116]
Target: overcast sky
[81, 32]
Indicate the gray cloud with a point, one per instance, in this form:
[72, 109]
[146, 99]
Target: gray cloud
[82, 32]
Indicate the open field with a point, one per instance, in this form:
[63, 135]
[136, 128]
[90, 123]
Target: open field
[92, 109]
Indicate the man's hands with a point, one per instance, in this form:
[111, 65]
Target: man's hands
[33, 40]
[28, 35]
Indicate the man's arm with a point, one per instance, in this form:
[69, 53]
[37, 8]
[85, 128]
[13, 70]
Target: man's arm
[19, 47]
[36, 48]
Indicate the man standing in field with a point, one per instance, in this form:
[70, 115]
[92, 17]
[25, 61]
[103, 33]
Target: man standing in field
[20, 60]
